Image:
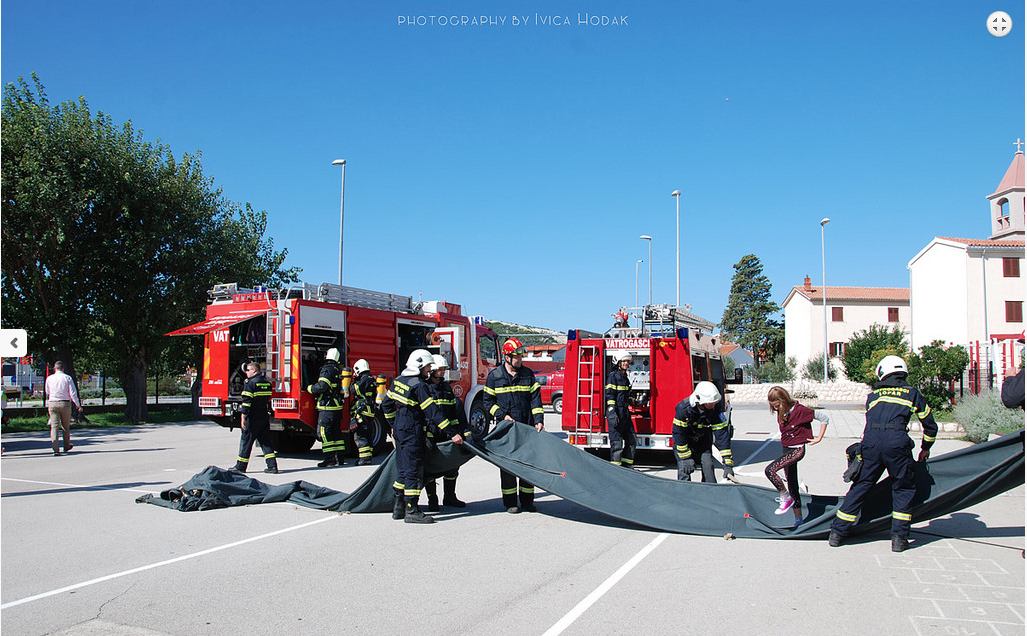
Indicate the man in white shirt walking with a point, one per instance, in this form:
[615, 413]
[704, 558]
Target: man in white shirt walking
[60, 395]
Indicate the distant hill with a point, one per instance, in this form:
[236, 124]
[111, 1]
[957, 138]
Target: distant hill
[529, 335]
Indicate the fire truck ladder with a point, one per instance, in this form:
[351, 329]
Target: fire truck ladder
[278, 359]
[585, 400]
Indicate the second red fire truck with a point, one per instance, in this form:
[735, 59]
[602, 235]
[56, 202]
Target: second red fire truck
[289, 331]
[671, 352]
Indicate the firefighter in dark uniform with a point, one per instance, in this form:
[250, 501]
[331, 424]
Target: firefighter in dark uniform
[619, 426]
[411, 401]
[362, 410]
[330, 397]
[700, 421]
[512, 393]
[454, 421]
[887, 446]
[256, 420]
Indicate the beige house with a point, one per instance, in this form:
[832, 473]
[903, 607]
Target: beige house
[848, 309]
[969, 291]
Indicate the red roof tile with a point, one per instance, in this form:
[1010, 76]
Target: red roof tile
[983, 242]
[872, 294]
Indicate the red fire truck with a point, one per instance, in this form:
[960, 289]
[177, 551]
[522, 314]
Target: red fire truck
[289, 331]
[671, 352]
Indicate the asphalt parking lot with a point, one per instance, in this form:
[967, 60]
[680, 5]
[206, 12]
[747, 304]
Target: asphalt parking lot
[79, 556]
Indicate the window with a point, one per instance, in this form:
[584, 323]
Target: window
[1011, 267]
[837, 349]
[1004, 206]
[837, 314]
[893, 314]
[1014, 311]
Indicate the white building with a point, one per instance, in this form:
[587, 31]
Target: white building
[849, 309]
[969, 291]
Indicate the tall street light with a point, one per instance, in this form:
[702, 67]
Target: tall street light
[823, 284]
[677, 246]
[342, 210]
[646, 237]
[637, 263]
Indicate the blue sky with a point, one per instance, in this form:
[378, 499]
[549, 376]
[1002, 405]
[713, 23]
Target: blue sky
[512, 168]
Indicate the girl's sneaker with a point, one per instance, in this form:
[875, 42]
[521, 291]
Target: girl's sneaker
[786, 504]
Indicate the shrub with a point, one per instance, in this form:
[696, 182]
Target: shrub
[863, 345]
[867, 374]
[984, 414]
[776, 369]
[814, 369]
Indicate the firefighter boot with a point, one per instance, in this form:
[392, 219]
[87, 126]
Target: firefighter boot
[835, 539]
[431, 489]
[340, 459]
[449, 493]
[412, 512]
[329, 460]
[527, 498]
[398, 511]
[899, 543]
[272, 465]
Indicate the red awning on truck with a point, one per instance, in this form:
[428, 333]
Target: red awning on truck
[214, 323]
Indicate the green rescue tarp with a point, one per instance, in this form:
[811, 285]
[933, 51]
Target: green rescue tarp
[945, 484]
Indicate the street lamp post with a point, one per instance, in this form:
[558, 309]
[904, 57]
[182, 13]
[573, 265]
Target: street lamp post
[646, 237]
[677, 246]
[342, 210]
[637, 263]
[823, 284]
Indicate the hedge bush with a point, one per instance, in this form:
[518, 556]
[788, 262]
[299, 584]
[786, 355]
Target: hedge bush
[984, 414]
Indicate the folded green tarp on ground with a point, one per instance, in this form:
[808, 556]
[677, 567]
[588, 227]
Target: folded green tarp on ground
[945, 484]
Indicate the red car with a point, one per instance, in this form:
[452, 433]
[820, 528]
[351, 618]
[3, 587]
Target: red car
[552, 389]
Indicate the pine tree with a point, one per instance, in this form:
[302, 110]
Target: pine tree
[748, 318]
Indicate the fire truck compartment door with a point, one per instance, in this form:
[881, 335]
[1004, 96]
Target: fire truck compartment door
[455, 337]
[214, 323]
[321, 318]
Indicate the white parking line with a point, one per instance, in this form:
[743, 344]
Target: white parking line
[161, 563]
[597, 593]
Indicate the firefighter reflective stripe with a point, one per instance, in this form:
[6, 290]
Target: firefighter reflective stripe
[537, 411]
[528, 491]
[245, 393]
[924, 413]
[399, 398]
[329, 407]
[492, 411]
[365, 451]
[611, 403]
[445, 402]
[684, 452]
[260, 394]
[399, 386]
[678, 422]
[929, 438]
[845, 516]
[412, 492]
[627, 460]
[727, 457]
[244, 460]
[489, 390]
[617, 387]
[719, 426]
[444, 423]
[246, 405]
[398, 485]
[390, 416]
[509, 491]
[326, 381]
[892, 400]
[270, 456]
[427, 402]
[901, 516]
[516, 388]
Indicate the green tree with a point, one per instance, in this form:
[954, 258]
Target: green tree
[777, 369]
[110, 241]
[748, 318]
[862, 346]
[935, 368]
[814, 369]
[867, 373]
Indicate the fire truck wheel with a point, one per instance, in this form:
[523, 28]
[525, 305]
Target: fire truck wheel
[478, 420]
[558, 404]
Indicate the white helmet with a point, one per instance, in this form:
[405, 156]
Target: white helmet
[889, 365]
[417, 361]
[333, 354]
[361, 366]
[705, 393]
[622, 356]
[439, 362]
